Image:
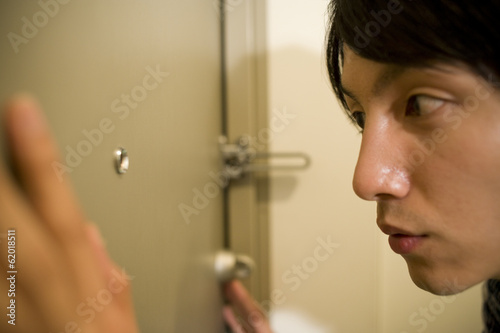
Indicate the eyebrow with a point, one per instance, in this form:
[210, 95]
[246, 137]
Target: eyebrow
[348, 93]
[385, 78]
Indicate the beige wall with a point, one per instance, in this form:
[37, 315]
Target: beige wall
[356, 284]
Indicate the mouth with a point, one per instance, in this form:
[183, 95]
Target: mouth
[402, 241]
[405, 244]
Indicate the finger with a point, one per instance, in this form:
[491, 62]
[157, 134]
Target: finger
[239, 297]
[35, 251]
[35, 156]
[19, 311]
[245, 306]
[231, 320]
[55, 216]
[37, 272]
[115, 279]
[117, 284]
[99, 250]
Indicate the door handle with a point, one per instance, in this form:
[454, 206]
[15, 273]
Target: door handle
[229, 266]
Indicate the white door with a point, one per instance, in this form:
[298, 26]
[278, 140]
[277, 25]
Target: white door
[145, 76]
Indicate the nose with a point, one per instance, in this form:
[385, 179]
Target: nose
[380, 173]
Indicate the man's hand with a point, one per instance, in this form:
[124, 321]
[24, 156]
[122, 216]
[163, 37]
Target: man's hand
[63, 270]
[252, 319]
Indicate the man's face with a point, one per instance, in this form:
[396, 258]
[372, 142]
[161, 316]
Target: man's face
[430, 158]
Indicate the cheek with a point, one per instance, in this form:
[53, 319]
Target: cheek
[459, 188]
[455, 187]
[473, 157]
[462, 165]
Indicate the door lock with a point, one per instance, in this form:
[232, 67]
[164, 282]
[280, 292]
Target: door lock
[229, 266]
[241, 158]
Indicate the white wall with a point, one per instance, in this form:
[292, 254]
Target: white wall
[361, 286]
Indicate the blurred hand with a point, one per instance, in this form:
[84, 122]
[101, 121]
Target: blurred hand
[65, 281]
[242, 305]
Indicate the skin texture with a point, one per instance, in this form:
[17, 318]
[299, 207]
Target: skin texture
[431, 163]
[61, 261]
[251, 318]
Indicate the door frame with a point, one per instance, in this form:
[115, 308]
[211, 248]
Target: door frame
[247, 114]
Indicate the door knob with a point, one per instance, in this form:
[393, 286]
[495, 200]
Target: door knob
[229, 266]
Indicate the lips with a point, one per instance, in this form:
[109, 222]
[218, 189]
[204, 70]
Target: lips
[401, 241]
[405, 244]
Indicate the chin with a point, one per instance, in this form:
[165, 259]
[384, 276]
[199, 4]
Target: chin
[441, 281]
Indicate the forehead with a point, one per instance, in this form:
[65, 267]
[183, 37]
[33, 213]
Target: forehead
[367, 76]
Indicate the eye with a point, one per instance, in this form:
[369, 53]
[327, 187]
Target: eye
[421, 105]
[359, 118]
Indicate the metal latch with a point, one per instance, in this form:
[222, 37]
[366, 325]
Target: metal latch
[229, 265]
[240, 158]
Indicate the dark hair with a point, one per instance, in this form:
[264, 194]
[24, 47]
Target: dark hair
[415, 33]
